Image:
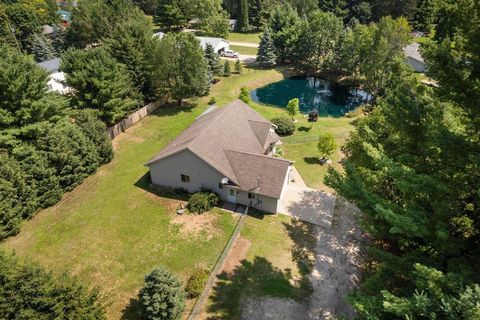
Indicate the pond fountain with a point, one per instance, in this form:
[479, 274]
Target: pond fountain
[329, 98]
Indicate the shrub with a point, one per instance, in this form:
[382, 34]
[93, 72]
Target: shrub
[202, 201]
[326, 144]
[244, 95]
[162, 296]
[212, 101]
[196, 282]
[285, 126]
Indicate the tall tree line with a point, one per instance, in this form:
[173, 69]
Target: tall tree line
[413, 169]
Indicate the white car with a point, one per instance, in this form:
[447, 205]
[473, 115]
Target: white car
[229, 54]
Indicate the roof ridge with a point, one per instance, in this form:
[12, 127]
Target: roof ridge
[259, 155]
[267, 122]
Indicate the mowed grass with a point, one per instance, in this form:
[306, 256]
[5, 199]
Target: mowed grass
[253, 37]
[305, 154]
[244, 50]
[272, 266]
[110, 231]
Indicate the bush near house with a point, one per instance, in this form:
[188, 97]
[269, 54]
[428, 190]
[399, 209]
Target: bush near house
[196, 282]
[244, 95]
[285, 126]
[202, 201]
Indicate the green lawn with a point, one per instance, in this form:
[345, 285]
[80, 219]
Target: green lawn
[279, 257]
[244, 50]
[253, 37]
[110, 231]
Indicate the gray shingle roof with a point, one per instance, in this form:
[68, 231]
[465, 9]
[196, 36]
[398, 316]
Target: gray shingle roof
[50, 66]
[412, 51]
[229, 139]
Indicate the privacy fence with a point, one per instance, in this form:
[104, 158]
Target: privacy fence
[202, 299]
[133, 118]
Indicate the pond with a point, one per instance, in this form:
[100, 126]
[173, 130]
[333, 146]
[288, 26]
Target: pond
[329, 98]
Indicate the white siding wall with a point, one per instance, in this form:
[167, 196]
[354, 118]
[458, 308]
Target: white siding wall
[167, 173]
[416, 65]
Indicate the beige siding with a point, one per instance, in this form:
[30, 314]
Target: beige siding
[167, 172]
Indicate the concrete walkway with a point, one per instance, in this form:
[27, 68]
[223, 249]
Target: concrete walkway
[306, 203]
[244, 44]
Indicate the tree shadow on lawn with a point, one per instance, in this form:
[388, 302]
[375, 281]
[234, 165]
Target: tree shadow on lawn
[257, 278]
[311, 160]
[304, 129]
[132, 310]
[172, 108]
[304, 242]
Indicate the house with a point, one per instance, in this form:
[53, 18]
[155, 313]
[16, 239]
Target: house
[218, 44]
[56, 77]
[229, 151]
[414, 58]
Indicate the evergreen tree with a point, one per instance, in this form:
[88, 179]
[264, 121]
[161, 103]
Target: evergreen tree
[42, 48]
[284, 24]
[100, 83]
[162, 297]
[266, 56]
[171, 14]
[30, 292]
[238, 67]
[243, 22]
[24, 22]
[226, 69]
[16, 198]
[213, 60]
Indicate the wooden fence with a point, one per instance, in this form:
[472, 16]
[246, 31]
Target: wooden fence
[133, 118]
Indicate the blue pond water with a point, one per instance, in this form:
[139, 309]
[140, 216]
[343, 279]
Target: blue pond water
[329, 98]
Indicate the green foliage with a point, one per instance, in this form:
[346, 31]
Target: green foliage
[30, 292]
[131, 44]
[293, 107]
[244, 95]
[100, 83]
[285, 126]
[326, 145]
[22, 91]
[212, 101]
[196, 282]
[226, 69]
[16, 201]
[243, 22]
[162, 296]
[202, 201]
[238, 67]
[213, 60]
[365, 48]
[213, 18]
[183, 68]
[284, 24]
[42, 48]
[318, 42]
[266, 56]
[25, 23]
[412, 169]
[172, 14]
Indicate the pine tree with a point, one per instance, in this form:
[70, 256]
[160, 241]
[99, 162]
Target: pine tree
[226, 69]
[42, 48]
[243, 23]
[266, 56]
[238, 66]
[213, 60]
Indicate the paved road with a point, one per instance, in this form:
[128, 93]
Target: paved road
[246, 58]
[244, 44]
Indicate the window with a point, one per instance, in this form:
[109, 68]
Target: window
[185, 178]
[220, 185]
[250, 196]
[232, 192]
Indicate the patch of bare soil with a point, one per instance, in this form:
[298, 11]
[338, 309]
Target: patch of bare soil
[266, 308]
[194, 224]
[236, 255]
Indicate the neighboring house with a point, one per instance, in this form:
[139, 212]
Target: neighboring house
[232, 24]
[414, 58]
[66, 17]
[229, 151]
[218, 44]
[56, 78]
